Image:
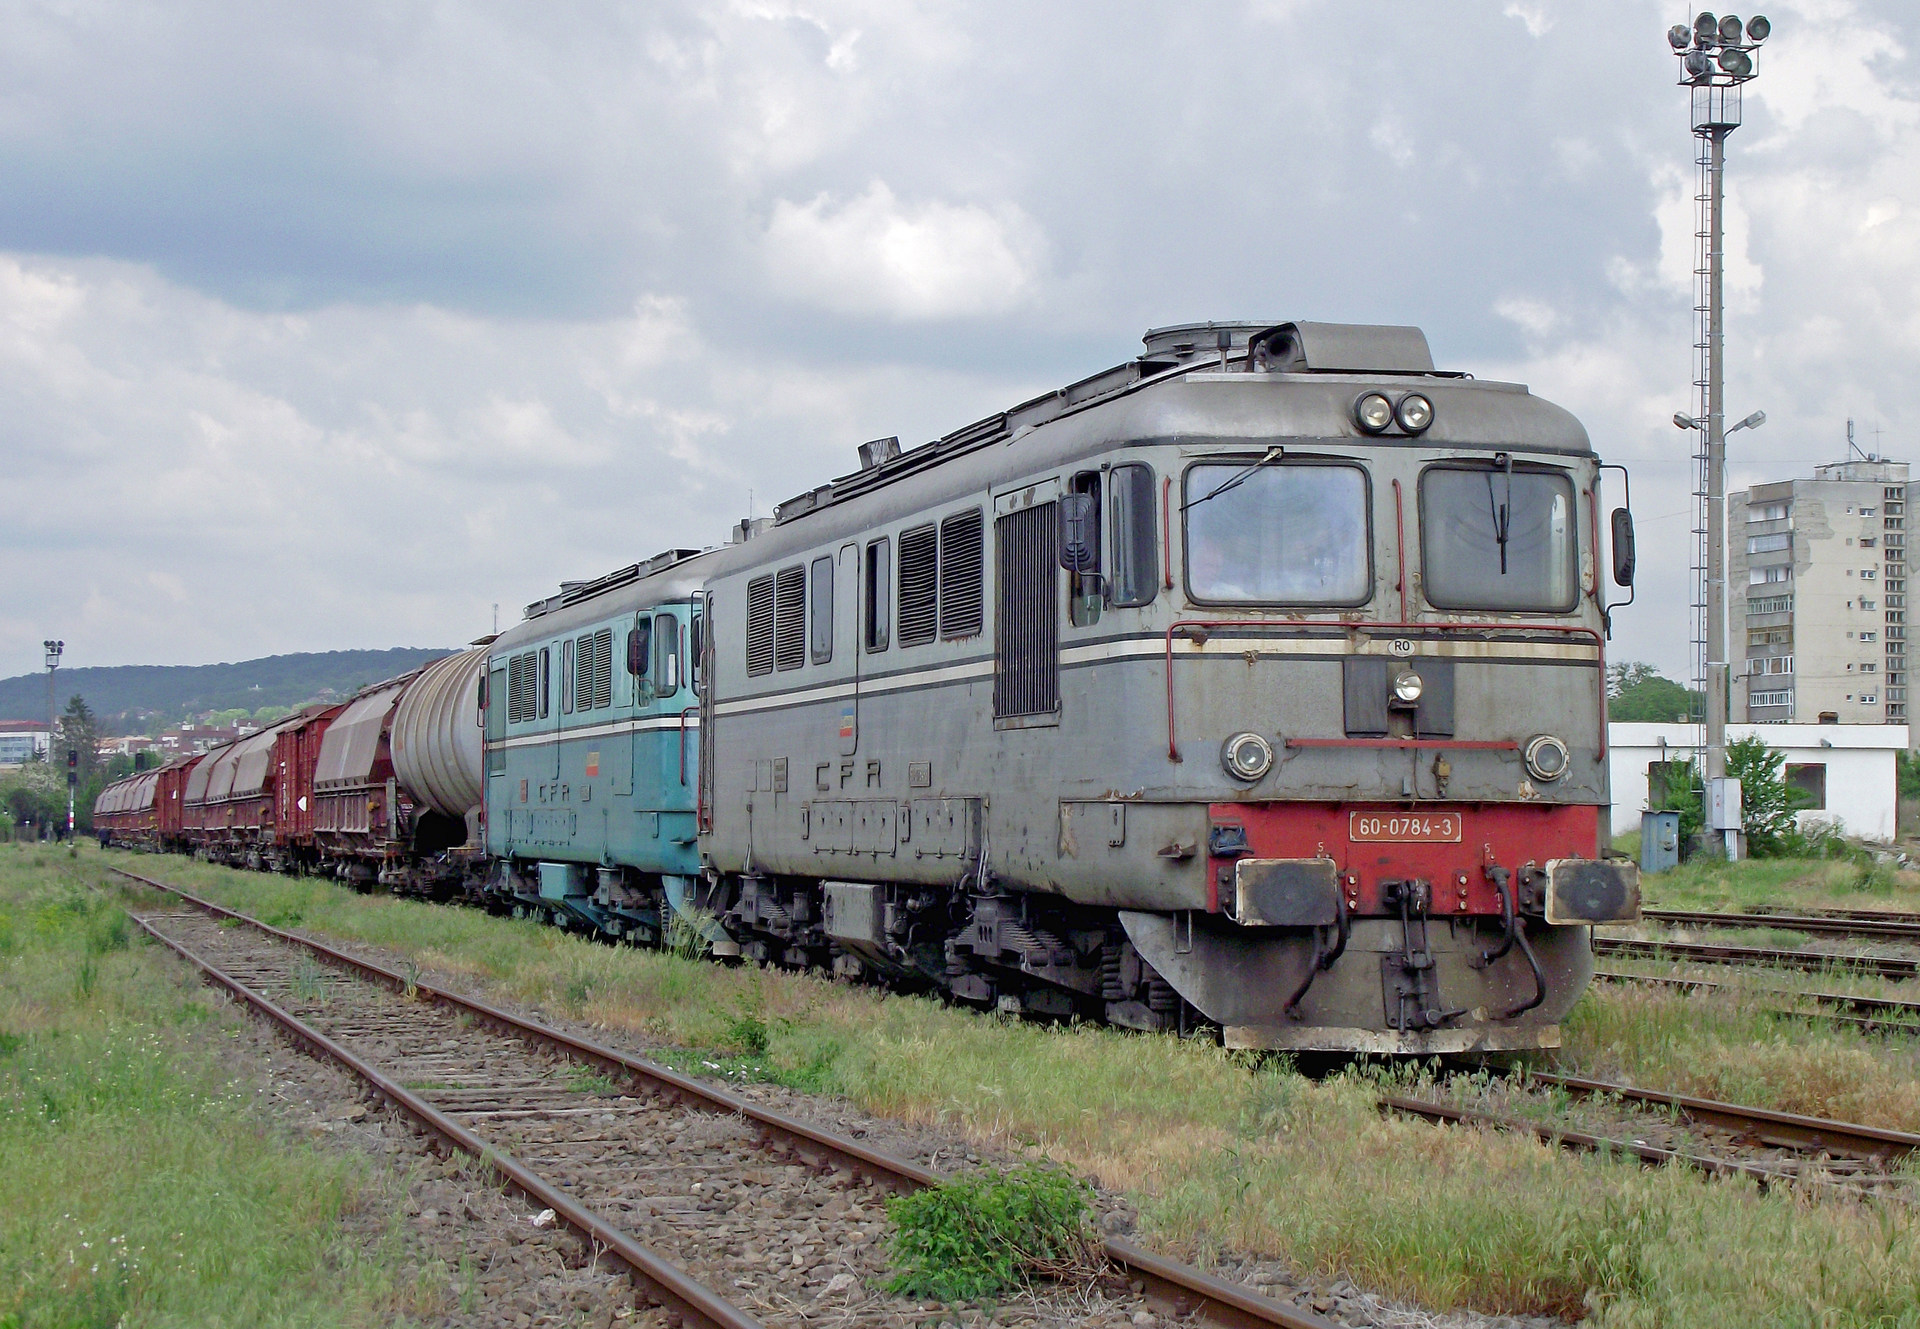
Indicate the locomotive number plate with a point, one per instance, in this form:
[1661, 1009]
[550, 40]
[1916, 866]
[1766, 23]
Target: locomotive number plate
[1404, 827]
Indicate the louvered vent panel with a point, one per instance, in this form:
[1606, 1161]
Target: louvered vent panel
[790, 618]
[602, 652]
[583, 672]
[919, 585]
[522, 692]
[1026, 629]
[760, 626]
[962, 574]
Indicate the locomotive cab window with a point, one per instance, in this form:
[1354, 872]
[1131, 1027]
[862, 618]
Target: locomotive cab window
[640, 649]
[1277, 532]
[1498, 536]
[820, 629]
[1084, 588]
[666, 655]
[879, 598]
[1134, 578]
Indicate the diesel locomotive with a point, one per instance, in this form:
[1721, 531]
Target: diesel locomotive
[1254, 686]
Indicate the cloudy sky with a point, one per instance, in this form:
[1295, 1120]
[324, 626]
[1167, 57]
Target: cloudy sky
[331, 326]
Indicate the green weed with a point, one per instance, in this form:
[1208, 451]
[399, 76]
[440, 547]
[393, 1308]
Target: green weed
[979, 1236]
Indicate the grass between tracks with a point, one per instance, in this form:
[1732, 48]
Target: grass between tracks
[1781, 883]
[139, 1183]
[1226, 1151]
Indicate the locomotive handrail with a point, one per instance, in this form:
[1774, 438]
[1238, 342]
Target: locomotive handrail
[1400, 544]
[1599, 647]
[1469, 744]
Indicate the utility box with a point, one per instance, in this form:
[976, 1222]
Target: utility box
[1659, 841]
[1723, 804]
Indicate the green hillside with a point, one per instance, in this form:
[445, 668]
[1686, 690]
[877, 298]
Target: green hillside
[136, 698]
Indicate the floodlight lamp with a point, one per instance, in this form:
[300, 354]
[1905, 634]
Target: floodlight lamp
[1682, 420]
[1678, 36]
[1705, 28]
[1736, 62]
[1758, 28]
[1730, 31]
[1698, 64]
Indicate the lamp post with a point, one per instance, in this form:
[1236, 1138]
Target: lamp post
[53, 649]
[1716, 61]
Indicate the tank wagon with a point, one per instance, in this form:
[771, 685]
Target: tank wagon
[1256, 684]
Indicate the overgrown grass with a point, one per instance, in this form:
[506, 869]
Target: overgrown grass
[138, 1183]
[988, 1233]
[1225, 1150]
[1779, 883]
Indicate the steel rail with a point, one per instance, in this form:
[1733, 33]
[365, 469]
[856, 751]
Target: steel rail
[665, 1282]
[1185, 1289]
[1749, 1125]
[1648, 1155]
[1818, 924]
[1847, 1007]
[1809, 960]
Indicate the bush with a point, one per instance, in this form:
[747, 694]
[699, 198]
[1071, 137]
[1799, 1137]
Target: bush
[1767, 801]
[977, 1236]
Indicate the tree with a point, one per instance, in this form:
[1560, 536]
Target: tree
[1637, 692]
[80, 730]
[1767, 801]
[35, 793]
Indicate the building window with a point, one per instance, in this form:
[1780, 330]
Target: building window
[1768, 576]
[1869, 699]
[1768, 544]
[1868, 574]
[1866, 542]
[1810, 778]
[1869, 636]
[1770, 699]
[1771, 604]
[1767, 512]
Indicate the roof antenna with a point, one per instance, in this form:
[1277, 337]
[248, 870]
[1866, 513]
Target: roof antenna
[1853, 449]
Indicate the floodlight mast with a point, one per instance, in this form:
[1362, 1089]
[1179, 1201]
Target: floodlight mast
[1717, 59]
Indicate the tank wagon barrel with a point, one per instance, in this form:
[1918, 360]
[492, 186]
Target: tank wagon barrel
[436, 734]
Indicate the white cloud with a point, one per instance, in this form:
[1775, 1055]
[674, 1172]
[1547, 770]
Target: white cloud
[875, 255]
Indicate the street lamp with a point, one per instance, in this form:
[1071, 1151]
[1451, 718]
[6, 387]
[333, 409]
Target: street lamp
[1717, 59]
[53, 649]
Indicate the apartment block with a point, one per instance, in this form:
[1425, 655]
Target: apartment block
[1817, 597]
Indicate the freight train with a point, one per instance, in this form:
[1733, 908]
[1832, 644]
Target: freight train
[1254, 686]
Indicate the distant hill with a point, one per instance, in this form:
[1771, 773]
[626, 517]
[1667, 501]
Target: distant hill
[132, 698]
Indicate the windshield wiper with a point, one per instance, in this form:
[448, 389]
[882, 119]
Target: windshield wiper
[1502, 512]
[1273, 454]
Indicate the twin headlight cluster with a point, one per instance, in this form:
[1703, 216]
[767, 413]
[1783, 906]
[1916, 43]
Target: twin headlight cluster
[1248, 756]
[1375, 413]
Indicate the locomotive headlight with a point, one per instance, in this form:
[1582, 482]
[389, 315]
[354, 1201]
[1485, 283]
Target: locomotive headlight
[1547, 758]
[1247, 756]
[1407, 688]
[1414, 413]
[1373, 412]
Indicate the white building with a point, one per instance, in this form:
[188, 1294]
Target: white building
[1848, 770]
[20, 740]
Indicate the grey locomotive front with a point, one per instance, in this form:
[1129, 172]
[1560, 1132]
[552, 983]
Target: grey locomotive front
[1255, 683]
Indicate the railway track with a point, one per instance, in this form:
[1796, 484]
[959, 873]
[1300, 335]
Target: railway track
[1824, 923]
[1720, 1139]
[1872, 1014]
[1701, 953]
[689, 1187]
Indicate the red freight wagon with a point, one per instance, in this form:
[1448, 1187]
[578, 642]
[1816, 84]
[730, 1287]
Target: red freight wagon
[358, 802]
[199, 820]
[296, 753]
[169, 800]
